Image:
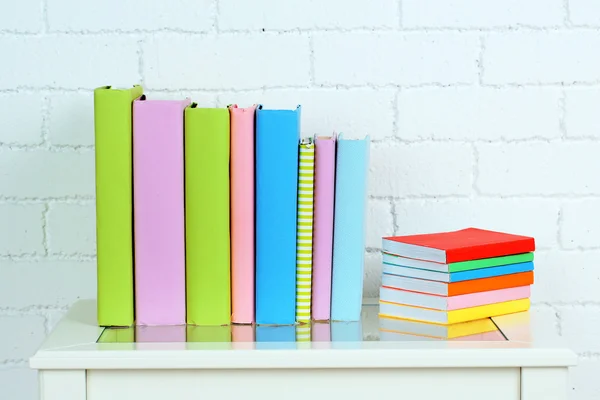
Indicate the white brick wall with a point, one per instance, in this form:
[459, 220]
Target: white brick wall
[481, 113]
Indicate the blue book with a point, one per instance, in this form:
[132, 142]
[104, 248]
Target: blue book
[277, 139]
[457, 276]
[351, 168]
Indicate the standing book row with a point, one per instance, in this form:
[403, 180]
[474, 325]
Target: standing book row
[209, 216]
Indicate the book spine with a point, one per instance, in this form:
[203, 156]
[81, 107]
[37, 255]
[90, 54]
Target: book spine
[208, 274]
[304, 248]
[349, 229]
[242, 213]
[277, 136]
[159, 211]
[114, 208]
[323, 227]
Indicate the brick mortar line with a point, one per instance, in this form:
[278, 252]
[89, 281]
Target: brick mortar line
[367, 29]
[320, 86]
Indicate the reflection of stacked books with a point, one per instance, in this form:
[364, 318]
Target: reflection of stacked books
[392, 329]
[453, 277]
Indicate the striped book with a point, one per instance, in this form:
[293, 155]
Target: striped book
[305, 230]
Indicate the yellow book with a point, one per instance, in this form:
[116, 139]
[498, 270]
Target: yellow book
[438, 331]
[393, 310]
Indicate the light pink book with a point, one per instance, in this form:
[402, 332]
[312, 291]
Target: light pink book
[242, 214]
[323, 227]
[445, 303]
[159, 219]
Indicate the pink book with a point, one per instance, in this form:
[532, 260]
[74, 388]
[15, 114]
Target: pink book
[159, 219]
[323, 227]
[242, 214]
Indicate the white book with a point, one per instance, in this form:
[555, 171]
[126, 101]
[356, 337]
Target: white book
[413, 298]
[414, 313]
[415, 285]
[412, 263]
[416, 273]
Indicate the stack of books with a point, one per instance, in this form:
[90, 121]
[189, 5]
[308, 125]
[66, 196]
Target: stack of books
[455, 278]
[232, 216]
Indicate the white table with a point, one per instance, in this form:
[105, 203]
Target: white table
[81, 361]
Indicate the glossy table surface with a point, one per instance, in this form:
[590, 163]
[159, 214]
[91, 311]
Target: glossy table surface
[522, 339]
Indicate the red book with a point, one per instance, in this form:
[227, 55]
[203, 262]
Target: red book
[463, 245]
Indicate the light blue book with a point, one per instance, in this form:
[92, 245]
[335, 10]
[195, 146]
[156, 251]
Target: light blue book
[277, 138]
[349, 228]
[457, 276]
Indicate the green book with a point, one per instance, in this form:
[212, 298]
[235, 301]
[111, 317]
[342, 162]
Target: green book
[114, 210]
[457, 266]
[207, 232]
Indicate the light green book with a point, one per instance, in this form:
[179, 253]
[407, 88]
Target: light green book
[114, 210]
[457, 266]
[208, 287]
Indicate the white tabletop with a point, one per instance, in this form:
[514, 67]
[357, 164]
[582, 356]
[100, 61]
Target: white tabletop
[522, 339]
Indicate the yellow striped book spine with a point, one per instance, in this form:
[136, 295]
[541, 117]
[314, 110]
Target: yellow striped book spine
[306, 176]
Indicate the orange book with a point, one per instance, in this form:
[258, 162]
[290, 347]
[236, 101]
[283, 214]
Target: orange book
[457, 288]
[494, 283]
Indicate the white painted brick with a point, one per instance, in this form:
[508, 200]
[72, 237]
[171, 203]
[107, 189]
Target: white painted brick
[53, 318]
[326, 111]
[240, 62]
[566, 276]
[21, 16]
[581, 327]
[71, 120]
[582, 119]
[68, 61]
[544, 324]
[581, 224]
[584, 12]
[478, 113]
[21, 118]
[379, 222]
[203, 99]
[420, 169]
[20, 382]
[372, 276]
[306, 14]
[21, 229]
[130, 15]
[481, 14]
[47, 283]
[539, 168]
[541, 57]
[72, 229]
[21, 336]
[43, 173]
[395, 58]
[536, 218]
[583, 380]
